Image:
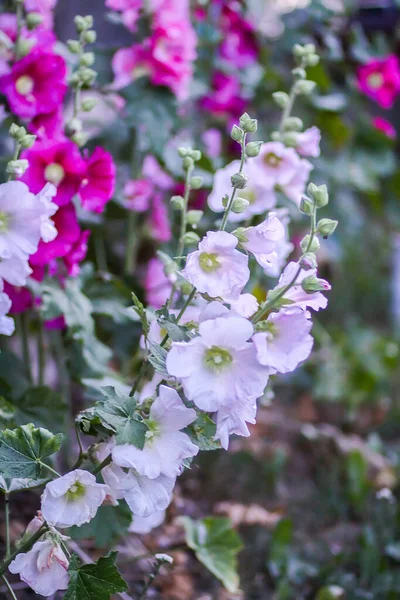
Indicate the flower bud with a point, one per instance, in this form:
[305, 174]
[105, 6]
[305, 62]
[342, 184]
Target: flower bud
[309, 48]
[240, 234]
[188, 163]
[17, 132]
[194, 216]
[305, 242]
[89, 21]
[87, 76]
[23, 47]
[33, 19]
[248, 124]
[308, 261]
[191, 238]
[90, 36]
[290, 139]
[239, 180]
[293, 124]
[88, 104]
[312, 60]
[177, 202]
[73, 46]
[79, 138]
[253, 149]
[196, 155]
[183, 152]
[281, 99]
[305, 87]
[314, 284]
[239, 205]
[80, 23]
[237, 133]
[28, 141]
[306, 205]
[196, 182]
[17, 167]
[299, 73]
[87, 59]
[326, 227]
[298, 51]
[319, 193]
[276, 136]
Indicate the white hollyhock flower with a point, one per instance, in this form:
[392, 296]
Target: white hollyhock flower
[283, 247]
[217, 268]
[166, 446]
[245, 306]
[15, 270]
[286, 340]
[263, 239]
[48, 232]
[220, 364]
[260, 199]
[24, 218]
[43, 568]
[72, 499]
[296, 293]
[143, 525]
[7, 325]
[233, 419]
[144, 496]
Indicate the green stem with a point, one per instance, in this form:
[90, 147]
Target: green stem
[7, 515]
[23, 326]
[232, 198]
[50, 469]
[152, 577]
[130, 256]
[103, 464]
[12, 593]
[19, 28]
[82, 454]
[24, 547]
[17, 150]
[100, 251]
[41, 353]
[287, 111]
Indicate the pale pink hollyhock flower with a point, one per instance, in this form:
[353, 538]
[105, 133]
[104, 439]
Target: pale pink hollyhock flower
[137, 194]
[286, 341]
[159, 220]
[260, 199]
[308, 142]
[98, 184]
[72, 499]
[245, 306]
[263, 239]
[143, 525]
[166, 446]
[224, 98]
[130, 10]
[57, 162]
[219, 365]
[217, 268]
[212, 139]
[36, 84]
[44, 568]
[152, 171]
[144, 496]
[296, 186]
[277, 164]
[130, 63]
[380, 80]
[15, 270]
[239, 45]
[283, 248]
[233, 419]
[296, 293]
[7, 325]
[156, 284]
[35, 524]
[384, 126]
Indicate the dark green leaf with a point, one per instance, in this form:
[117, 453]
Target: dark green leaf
[22, 450]
[158, 358]
[98, 581]
[118, 412]
[109, 525]
[280, 545]
[202, 433]
[42, 405]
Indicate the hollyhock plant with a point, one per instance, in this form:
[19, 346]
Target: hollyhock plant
[20, 297]
[262, 241]
[36, 84]
[44, 7]
[72, 499]
[59, 163]
[48, 126]
[129, 9]
[156, 283]
[166, 446]
[245, 306]
[239, 46]
[296, 294]
[138, 194]
[225, 98]
[44, 568]
[284, 341]
[284, 246]
[217, 268]
[143, 525]
[6, 323]
[98, 184]
[218, 365]
[380, 80]
[129, 64]
[308, 142]
[233, 419]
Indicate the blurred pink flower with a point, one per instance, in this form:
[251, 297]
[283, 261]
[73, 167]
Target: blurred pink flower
[308, 142]
[44, 7]
[152, 171]
[239, 45]
[224, 99]
[130, 10]
[130, 63]
[384, 126]
[156, 284]
[50, 126]
[20, 297]
[380, 80]
[98, 185]
[36, 84]
[58, 162]
[138, 194]
[212, 139]
[159, 220]
[77, 253]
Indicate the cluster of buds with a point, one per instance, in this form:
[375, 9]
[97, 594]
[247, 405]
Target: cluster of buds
[84, 76]
[23, 140]
[189, 217]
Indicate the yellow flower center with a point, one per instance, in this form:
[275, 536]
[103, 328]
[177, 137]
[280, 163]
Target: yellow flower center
[272, 159]
[375, 81]
[24, 85]
[209, 262]
[54, 173]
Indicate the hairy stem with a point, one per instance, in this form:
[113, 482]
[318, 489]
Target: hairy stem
[232, 198]
[7, 516]
[8, 585]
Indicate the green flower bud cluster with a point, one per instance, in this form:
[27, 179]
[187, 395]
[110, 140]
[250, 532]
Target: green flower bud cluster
[23, 140]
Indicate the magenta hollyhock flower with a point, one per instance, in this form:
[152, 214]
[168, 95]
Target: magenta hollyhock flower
[57, 162]
[239, 46]
[98, 185]
[36, 84]
[384, 126]
[156, 284]
[130, 10]
[225, 97]
[137, 194]
[130, 63]
[380, 80]
[69, 233]
[49, 126]
[20, 297]
[77, 253]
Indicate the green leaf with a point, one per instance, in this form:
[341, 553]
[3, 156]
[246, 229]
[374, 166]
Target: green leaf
[107, 527]
[216, 545]
[158, 358]
[13, 382]
[42, 405]
[202, 433]
[167, 322]
[280, 545]
[118, 412]
[24, 449]
[141, 313]
[98, 581]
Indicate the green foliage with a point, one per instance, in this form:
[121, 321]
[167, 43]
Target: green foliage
[118, 413]
[357, 478]
[107, 527]
[158, 358]
[216, 545]
[97, 581]
[23, 451]
[202, 433]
